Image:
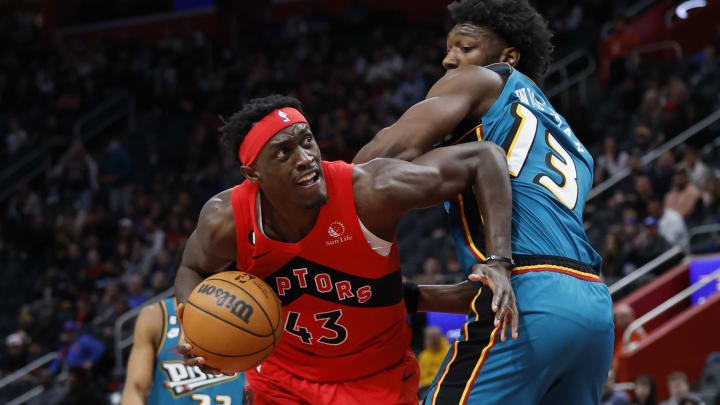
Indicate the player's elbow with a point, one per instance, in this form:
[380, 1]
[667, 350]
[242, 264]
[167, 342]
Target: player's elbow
[488, 156]
[387, 143]
[135, 393]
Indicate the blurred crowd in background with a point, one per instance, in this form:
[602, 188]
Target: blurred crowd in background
[102, 230]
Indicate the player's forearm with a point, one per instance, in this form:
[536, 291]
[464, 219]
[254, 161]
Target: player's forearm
[494, 197]
[446, 298]
[185, 281]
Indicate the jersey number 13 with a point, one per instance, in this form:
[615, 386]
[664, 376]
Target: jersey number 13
[518, 146]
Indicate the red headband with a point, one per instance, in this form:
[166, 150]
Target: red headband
[265, 129]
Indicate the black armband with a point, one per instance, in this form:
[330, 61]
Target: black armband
[411, 295]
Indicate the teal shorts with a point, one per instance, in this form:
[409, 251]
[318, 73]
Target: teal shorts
[563, 352]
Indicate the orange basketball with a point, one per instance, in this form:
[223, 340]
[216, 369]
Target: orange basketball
[233, 320]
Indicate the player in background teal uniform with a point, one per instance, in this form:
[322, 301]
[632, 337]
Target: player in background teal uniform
[562, 348]
[157, 374]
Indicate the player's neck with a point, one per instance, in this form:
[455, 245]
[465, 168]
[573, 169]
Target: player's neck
[285, 221]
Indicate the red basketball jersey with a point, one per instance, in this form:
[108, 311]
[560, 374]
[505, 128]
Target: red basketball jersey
[343, 307]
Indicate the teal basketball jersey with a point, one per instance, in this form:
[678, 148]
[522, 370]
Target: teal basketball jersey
[551, 174]
[176, 383]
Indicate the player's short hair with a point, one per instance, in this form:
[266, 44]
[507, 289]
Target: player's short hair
[240, 123]
[517, 23]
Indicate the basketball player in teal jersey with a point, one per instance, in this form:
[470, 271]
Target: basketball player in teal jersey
[156, 373]
[562, 349]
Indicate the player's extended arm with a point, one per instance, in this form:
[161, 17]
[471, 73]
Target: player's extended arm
[454, 299]
[139, 377]
[465, 92]
[385, 189]
[392, 187]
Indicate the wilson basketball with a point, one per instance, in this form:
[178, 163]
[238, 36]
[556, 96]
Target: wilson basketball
[234, 320]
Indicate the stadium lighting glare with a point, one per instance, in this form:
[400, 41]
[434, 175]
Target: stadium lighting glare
[681, 11]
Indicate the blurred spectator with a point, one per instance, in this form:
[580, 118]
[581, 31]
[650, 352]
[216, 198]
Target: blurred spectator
[160, 283]
[644, 391]
[609, 395]
[53, 392]
[16, 138]
[711, 197]
[678, 387]
[454, 271]
[612, 161]
[104, 308]
[613, 258]
[431, 357]
[649, 114]
[82, 349]
[77, 173]
[115, 171]
[670, 224]
[676, 114]
[81, 389]
[431, 272]
[697, 171]
[644, 193]
[94, 264]
[135, 295]
[691, 401]
[645, 140]
[161, 264]
[621, 41]
[649, 244]
[624, 316]
[662, 173]
[683, 196]
[15, 353]
[25, 205]
[627, 237]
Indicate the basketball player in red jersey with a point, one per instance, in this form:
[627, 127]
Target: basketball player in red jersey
[321, 234]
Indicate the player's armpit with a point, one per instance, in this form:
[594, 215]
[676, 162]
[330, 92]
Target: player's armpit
[140, 365]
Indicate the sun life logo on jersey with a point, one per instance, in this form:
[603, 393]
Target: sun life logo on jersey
[337, 231]
[183, 380]
[284, 117]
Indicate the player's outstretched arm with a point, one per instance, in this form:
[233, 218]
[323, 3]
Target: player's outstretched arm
[454, 298]
[210, 248]
[385, 189]
[464, 92]
[140, 365]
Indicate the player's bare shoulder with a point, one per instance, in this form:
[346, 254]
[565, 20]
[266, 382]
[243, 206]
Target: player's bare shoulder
[216, 225]
[149, 323]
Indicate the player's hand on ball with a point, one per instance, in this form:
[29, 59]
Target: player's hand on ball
[496, 275]
[185, 349]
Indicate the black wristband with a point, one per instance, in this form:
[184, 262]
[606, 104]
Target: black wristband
[411, 295]
[500, 259]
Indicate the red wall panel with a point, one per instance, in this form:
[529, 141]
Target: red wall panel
[682, 344]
